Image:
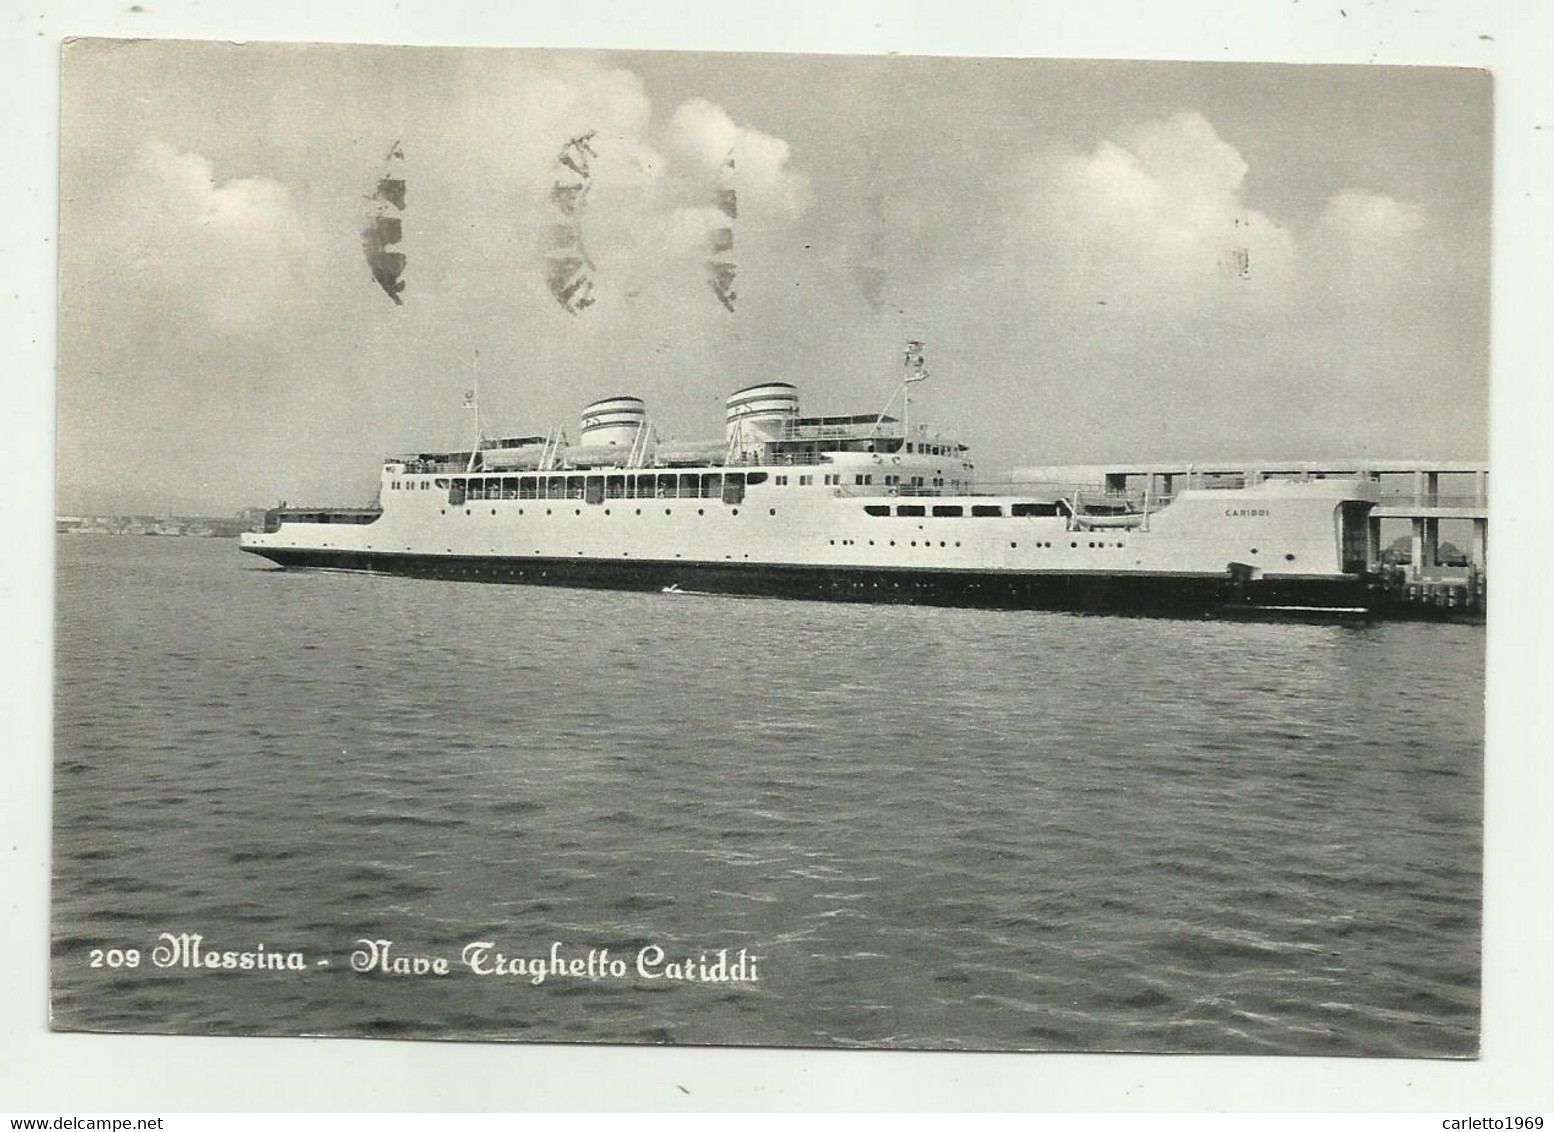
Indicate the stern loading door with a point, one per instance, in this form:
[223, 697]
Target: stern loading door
[1354, 541]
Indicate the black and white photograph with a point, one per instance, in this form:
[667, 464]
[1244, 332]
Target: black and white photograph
[753, 548]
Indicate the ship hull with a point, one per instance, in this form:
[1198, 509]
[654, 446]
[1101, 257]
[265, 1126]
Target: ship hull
[1163, 594]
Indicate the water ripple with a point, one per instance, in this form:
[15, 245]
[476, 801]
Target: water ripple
[936, 828]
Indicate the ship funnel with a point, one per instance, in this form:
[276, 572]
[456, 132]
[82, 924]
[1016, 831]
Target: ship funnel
[759, 413]
[613, 422]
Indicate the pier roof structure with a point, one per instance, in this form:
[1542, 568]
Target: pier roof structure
[1422, 497]
[1249, 467]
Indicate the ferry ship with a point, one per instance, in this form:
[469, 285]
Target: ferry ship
[865, 508]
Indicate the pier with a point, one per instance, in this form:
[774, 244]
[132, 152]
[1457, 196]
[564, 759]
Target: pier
[1423, 493]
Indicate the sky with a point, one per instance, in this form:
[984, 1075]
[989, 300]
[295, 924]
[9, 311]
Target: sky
[1107, 260]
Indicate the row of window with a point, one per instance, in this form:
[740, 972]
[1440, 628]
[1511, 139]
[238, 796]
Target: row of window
[607, 511]
[1074, 545]
[1012, 545]
[596, 488]
[914, 481]
[659, 485]
[860, 479]
[957, 511]
[830, 480]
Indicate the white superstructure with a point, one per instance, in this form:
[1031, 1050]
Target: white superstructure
[858, 507]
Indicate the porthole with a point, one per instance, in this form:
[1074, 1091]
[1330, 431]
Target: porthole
[1254, 550]
[606, 510]
[773, 511]
[667, 511]
[466, 510]
[736, 511]
[1289, 558]
[547, 510]
[577, 511]
[701, 511]
[1074, 545]
[1013, 545]
[493, 510]
[639, 510]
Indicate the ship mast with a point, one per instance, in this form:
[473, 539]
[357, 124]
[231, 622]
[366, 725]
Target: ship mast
[472, 401]
[916, 370]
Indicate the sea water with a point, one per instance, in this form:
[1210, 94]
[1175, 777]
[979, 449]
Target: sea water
[917, 827]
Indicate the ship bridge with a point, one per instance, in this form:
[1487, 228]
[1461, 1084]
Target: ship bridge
[812, 436]
[764, 426]
[814, 440]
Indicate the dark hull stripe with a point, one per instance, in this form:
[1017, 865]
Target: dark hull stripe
[1168, 594]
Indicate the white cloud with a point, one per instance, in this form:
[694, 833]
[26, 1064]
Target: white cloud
[480, 181]
[239, 253]
[1362, 216]
[188, 186]
[1145, 257]
[1154, 221]
[706, 135]
[1365, 249]
[236, 250]
[1156, 216]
